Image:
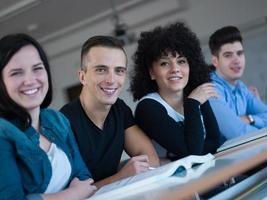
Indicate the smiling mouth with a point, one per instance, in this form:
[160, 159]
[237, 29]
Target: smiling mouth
[236, 69]
[31, 91]
[175, 78]
[109, 91]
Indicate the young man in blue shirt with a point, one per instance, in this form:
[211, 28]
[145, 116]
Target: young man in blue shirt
[238, 110]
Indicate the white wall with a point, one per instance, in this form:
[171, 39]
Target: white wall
[202, 16]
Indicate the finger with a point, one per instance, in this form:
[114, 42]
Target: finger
[142, 166]
[91, 181]
[141, 158]
[93, 187]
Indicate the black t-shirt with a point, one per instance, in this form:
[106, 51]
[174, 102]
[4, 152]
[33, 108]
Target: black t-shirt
[184, 137]
[100, 149]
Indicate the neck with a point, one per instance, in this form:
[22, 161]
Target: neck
[95, 112]
[35, 116]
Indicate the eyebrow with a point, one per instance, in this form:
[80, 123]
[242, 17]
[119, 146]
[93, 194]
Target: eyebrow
[168, 57]
[105, 66]
[40, 63]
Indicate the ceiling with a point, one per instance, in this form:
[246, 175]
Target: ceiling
[41, 18]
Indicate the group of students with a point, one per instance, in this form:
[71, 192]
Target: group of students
[183, 106]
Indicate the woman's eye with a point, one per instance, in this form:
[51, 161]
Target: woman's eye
[15, 74]
[182, 61]
[38, 68]
[164, 64]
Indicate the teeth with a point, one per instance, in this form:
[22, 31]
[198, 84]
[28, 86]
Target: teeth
[29, 92]
[174, 78]
[109, 91]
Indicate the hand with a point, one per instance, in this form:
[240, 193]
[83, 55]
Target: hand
[203, 92]
[83, 188]
[245, 119]
[254, 91]
[134, 166]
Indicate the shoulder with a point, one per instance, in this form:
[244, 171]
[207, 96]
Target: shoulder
[10, 135]
[72, 110]
[54, 119]
[218, 81]
[149, 105]
[242, 86]
[70, 107]
[6, 127]
[121, 106]
[52, 115]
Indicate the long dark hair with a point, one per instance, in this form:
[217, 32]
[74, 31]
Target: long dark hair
[10, 45]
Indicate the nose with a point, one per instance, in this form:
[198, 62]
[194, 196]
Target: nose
[236, 59]
[29, 79]
[110, 77]
[175, 67]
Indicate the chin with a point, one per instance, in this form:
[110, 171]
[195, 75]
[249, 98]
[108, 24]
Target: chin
[110, 102]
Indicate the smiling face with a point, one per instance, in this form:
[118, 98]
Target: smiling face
[26, 79]
[104, 76]
[230, 62]
[171, 73]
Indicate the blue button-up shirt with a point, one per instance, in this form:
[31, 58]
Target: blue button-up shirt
[25, 170]
[233, 102]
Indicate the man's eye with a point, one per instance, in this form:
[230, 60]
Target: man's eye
[227, 55]
[100, 70]
[120, 71]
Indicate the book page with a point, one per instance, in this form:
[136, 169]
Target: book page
[243, 139]
[152, 176]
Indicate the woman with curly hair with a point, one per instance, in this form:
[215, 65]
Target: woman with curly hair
[171, 80]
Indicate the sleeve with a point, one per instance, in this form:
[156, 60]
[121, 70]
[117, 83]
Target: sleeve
[230, 124]
[179, 138]
[213, 136]
[10, 180]
[79, 168]
[127, 116]
[257, 109]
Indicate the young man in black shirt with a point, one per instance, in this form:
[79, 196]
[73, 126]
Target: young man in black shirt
[103, 124]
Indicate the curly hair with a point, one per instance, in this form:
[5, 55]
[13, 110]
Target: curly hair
[173, 38]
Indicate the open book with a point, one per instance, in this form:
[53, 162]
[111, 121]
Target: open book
[243, 139]
[149, 177]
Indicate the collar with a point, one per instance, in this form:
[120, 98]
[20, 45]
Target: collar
[231, 87]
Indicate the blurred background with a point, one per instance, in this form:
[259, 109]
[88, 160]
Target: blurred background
[63, 25]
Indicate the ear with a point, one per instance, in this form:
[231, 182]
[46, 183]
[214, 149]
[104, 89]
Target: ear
[81, 74]
[214, 61]
[152, 76]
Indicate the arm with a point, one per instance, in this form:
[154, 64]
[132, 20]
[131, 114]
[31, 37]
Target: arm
[257, 109]
[213, 136]
[81, 185]
[230, 124]
[254, 91]
[175, 137]
[77, 190]
[137, 145]
[11, 186]
[10, 179]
